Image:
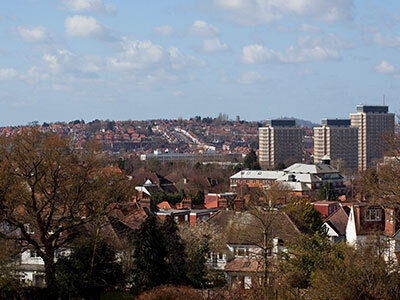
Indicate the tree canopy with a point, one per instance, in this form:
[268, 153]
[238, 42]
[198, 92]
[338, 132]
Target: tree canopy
[49, 190]
[251, 161]
[78, 277]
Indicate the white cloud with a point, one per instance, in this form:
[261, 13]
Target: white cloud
[214, 45]
[37, 34]
[389, 41]
[144, 55]
[258, 54]
[63, 62]
[328, 41]
[250, 77]
[87, 27]
[203, 29]
[136, 55]
[35, 74]
[254, 12]
[386, 68]
[310, 28]
[165, 30]
[96, 6]
[178, 93]
[52, 62]
[179, 61]
[7, 74]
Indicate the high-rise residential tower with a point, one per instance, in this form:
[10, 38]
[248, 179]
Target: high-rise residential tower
[338, 140]
[374, 124]
[279, 141]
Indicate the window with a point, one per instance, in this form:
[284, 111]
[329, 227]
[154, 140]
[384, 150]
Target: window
[29, 229]
[240, 251]
[220, 255]
[247, 251]
[34, 254]
[373, 214]
[390, 217]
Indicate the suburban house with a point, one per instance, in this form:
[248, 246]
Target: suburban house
[182, 212]
[335, 224]
[326, 208]
[254, 178]
[300, 178]
[217, 200]
[154, 183]
[241, 259]
[360, 223]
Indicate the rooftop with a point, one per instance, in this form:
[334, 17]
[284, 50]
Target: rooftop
[336, 122]
[257, 174]
[281, 123]
[310, 169]
[372, 108]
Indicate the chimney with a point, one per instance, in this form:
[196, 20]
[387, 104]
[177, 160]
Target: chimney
[326, 160]
[247, 199]
[222, 203]
[187, 203]
[238, 204]
[145, 203]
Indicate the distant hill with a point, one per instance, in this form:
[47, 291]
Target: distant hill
[301, 122]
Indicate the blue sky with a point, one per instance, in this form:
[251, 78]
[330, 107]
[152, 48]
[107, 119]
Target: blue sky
[132, 59]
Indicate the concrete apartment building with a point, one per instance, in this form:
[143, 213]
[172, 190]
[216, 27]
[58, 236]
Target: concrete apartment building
[279, 141]
[337, 139]
[373, 123]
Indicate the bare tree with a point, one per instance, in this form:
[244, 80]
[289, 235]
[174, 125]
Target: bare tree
[261, 223]
[49, 191]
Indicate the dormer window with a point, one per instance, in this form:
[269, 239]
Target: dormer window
[373, 214]
[34, 254]
[29, 228]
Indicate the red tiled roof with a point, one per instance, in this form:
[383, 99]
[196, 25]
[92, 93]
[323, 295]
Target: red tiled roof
[243, 265]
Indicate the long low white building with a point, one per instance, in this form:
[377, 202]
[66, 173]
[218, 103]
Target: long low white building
[301, 178]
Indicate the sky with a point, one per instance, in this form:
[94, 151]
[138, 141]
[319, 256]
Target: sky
[62, 60]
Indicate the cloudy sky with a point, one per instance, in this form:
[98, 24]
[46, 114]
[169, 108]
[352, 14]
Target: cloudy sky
[135, 59]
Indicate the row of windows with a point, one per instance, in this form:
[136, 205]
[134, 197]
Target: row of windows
[248, 181]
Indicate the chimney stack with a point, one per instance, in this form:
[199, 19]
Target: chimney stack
[238, 204]
[187, 203]
[145, 203]
[222, 203]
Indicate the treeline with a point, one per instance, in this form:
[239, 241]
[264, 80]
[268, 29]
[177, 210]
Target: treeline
[155, 254]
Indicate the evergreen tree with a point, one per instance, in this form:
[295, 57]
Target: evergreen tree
[196, 265]
[280, 166]
[87, 273]
[149, 256]
[176, 257]
[198, 198]
[328, 193]
[251, 161]
[312, 218]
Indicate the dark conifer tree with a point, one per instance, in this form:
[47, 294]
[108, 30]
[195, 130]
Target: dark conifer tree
[149, 256]
[251, 161]
[87, 273]
[176, 257]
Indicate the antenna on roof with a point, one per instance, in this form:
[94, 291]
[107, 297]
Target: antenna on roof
[383, 99]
